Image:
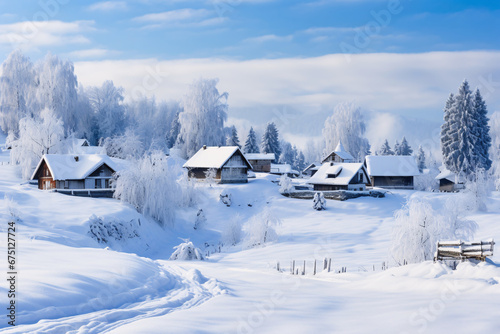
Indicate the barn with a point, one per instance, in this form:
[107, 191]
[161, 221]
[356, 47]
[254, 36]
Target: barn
[392, 171]
[340, 176]
[449, 181]
[74, 172]
[228, 162]
[261, 162]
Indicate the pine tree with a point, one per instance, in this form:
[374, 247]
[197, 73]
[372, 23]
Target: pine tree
[385, 149]
[404, 148]
[397, 149]
[300, 162]
[232, 139]
[174, 131]
[270, 142]
[251, 142]
[449, 134]
[421, 159]
[483, 142]
[287, 154]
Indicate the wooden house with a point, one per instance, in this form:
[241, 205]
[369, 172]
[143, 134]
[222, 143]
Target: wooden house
[311, 169]
[449, 181]
[74, 172]
[339, 155]
[392, 171]
[229, 163]
[261, 162]
[340, 176]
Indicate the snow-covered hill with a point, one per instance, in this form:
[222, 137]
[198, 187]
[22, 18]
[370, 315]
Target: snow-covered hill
[70, 282]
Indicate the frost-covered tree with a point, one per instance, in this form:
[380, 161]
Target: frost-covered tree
[126, 146]
[143, 185]
[261, 228]
[175, 128]
[57, 90]
[251, 145]
[319, 202]
[421, 159]
[346, 124]
[202, 122]
[270, 141]
[186, 251]
[210, 175]
[403, 148]
[287, 153]
[17, 91]
[231, 233]
[495, 147]
[385, 149]
[232, 139]
[286, 185]
[299, 162]
[419, 227]
[36, 138]
[107, 104]
[465, 139]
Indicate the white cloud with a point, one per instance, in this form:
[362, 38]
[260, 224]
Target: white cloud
[269, 38]
[106, 6]
[33, 34]
[409, 85]
[90, 53]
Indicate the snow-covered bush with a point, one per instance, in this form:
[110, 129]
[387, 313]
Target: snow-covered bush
[126, 146]
[427, 180]
[285, 184]
[261, 228]
[186, 252]
[418, 228]
[225, 197]
[150, 186]
[104, 231]
[210, 175]
[319, 202]
[231, 234]
[190, 191]
[200, 221]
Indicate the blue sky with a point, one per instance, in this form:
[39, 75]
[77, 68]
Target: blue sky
[286, 61]
[246, 29]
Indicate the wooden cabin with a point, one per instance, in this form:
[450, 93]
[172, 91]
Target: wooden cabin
[74, 172]
[229, 163]
[311, 169]
[449, 181]
[340, 176]
[392, 171]
[261, 162]
[339, 155]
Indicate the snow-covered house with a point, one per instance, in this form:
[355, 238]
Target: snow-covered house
[339, 155]
[449, 181]
[392, 171]
[340, 176]
[281, 169]
[261, 162]
[311, 169]
[229, 163]
[70, 171]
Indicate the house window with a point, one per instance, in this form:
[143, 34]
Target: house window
[98, 183]
[106, 182]
[66, 184]
[360, 177]
[331, 176]
[46, 172]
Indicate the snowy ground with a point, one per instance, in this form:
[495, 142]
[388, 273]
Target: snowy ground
[68, 282]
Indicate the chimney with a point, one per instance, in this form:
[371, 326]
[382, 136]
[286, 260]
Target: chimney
[76, 158]
[204, 147]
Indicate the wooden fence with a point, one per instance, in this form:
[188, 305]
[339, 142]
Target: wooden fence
[460, 250]
[314, 267]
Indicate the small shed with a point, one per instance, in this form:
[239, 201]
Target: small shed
[340, 176]
[261, 162]
[449, 181]
[284, 169]
[70, 171]
[339, 155]
[392, 171]
[229, 163]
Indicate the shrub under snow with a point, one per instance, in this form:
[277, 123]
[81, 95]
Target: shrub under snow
[104, 231]
[285, 184]
[231, 235]
[200, 221]
[186, 252]
[261, 228]
[319, 202]
[419, 227]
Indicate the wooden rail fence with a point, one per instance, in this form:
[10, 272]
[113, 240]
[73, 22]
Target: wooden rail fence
[460, 250]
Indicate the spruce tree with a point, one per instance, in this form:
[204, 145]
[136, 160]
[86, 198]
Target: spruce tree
[385, 149]
[232, 139]
[405, 148]
[397, 148]
[483, 142]
[421, 159]
[251, 143]
[270, 142]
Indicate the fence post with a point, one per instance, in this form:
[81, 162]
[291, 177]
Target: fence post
[329, 264]
[278, 266]
[324, 263]
[293, 267]
[314, 270]
[304, 270]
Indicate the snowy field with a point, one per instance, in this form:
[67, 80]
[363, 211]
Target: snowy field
[68, 282]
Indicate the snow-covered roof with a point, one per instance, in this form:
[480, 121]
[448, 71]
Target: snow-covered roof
[75, 167]
[283, 169]
[391, 165]
[341, 152]
[260, 156]
[313, 166]
[347, 171]
[448, 175]
[214, 157]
